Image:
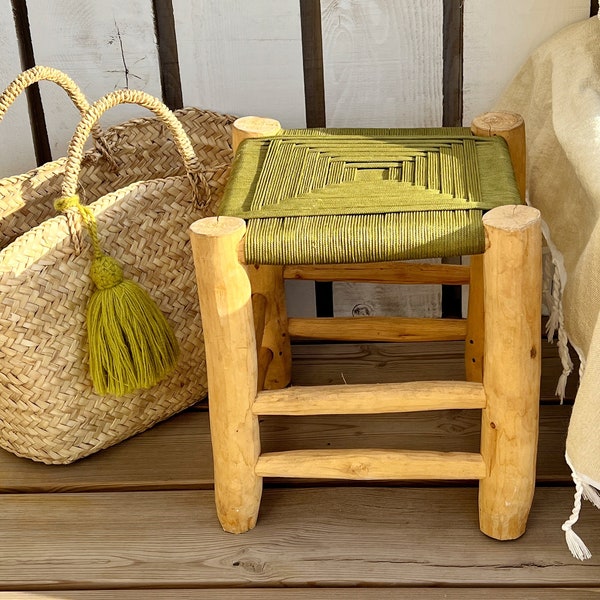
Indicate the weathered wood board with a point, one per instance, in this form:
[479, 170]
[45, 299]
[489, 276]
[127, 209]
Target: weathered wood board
[242, 58]
[102, 46]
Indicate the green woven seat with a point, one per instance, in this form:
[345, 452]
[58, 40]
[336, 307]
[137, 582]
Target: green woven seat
[317, 196]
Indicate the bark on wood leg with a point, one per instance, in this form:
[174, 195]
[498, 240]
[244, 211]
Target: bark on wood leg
[475, 320]
[512, 368]
[226, 307]
[267, 280]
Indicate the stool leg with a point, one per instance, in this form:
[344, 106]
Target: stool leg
[267, 280]
[475, 327]
[226, 307]
[512, 368]
[511, 127]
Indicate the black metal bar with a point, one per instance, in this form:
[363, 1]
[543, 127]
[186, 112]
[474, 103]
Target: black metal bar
[37, 120]
[170, 76]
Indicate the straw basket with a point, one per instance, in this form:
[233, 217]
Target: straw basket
[48, 408]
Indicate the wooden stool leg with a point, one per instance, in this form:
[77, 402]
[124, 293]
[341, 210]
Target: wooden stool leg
[511, 127]
[512, 368]
[267, 280]
[475, 327]
[226, 307]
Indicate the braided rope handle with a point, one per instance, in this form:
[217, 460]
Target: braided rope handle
[125, 96]
[41, 73]
[69, 202]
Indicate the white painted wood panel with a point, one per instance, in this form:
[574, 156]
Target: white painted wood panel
[103, 46]
[17, 155]
[243, 58]
[383, 62]
[498, 38]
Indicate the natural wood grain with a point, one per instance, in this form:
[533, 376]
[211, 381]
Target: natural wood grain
[370, 399]
[512, 272]
[318, 594]
[259, 309]
[385, 272]
[267, 280]
[475, 322]
[252, 127]
[265, 358]
[383, 329]
[372, 464]
[226, 307]
[511, 127]
[307, 537]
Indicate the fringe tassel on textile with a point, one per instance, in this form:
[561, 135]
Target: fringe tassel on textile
[587, 490]
[556, 321]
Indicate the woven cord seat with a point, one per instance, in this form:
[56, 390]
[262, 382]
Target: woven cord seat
[336, 205]
[329, 196]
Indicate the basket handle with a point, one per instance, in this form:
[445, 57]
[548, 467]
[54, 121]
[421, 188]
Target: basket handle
[41, 73]
[191, 162]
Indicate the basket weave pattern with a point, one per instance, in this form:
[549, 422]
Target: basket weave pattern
[48, 408]
[141, 148]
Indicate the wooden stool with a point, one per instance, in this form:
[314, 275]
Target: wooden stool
[247, 339]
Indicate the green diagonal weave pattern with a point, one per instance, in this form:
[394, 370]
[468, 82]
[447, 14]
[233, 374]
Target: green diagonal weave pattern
[331, 196]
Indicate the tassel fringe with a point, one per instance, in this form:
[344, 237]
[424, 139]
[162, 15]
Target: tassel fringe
[556, 321]
[587, 490]
[578, 549]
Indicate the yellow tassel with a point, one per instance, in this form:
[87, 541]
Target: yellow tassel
[131, 344]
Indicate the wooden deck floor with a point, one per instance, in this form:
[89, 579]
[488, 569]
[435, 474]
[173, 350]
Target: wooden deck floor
[137, 520]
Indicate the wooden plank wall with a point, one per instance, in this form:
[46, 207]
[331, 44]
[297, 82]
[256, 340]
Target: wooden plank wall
[305, 62]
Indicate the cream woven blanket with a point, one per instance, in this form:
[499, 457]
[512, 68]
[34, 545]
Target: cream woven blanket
[558, 93]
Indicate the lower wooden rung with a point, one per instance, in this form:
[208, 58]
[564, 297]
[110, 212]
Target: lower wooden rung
[372, 464]
[370, 398]
[377, 329]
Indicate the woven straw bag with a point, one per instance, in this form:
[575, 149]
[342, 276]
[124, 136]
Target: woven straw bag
[137, 150]
[48, 408]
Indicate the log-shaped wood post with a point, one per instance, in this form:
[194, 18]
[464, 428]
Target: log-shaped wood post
[511, 127]
[267, 280]
[226, 308]
[511, 375]
[475, 322]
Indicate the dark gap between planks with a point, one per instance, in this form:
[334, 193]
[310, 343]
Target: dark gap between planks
[39, 131]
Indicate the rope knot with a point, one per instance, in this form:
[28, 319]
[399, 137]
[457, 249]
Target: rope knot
[106, 272]
[64, 203]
